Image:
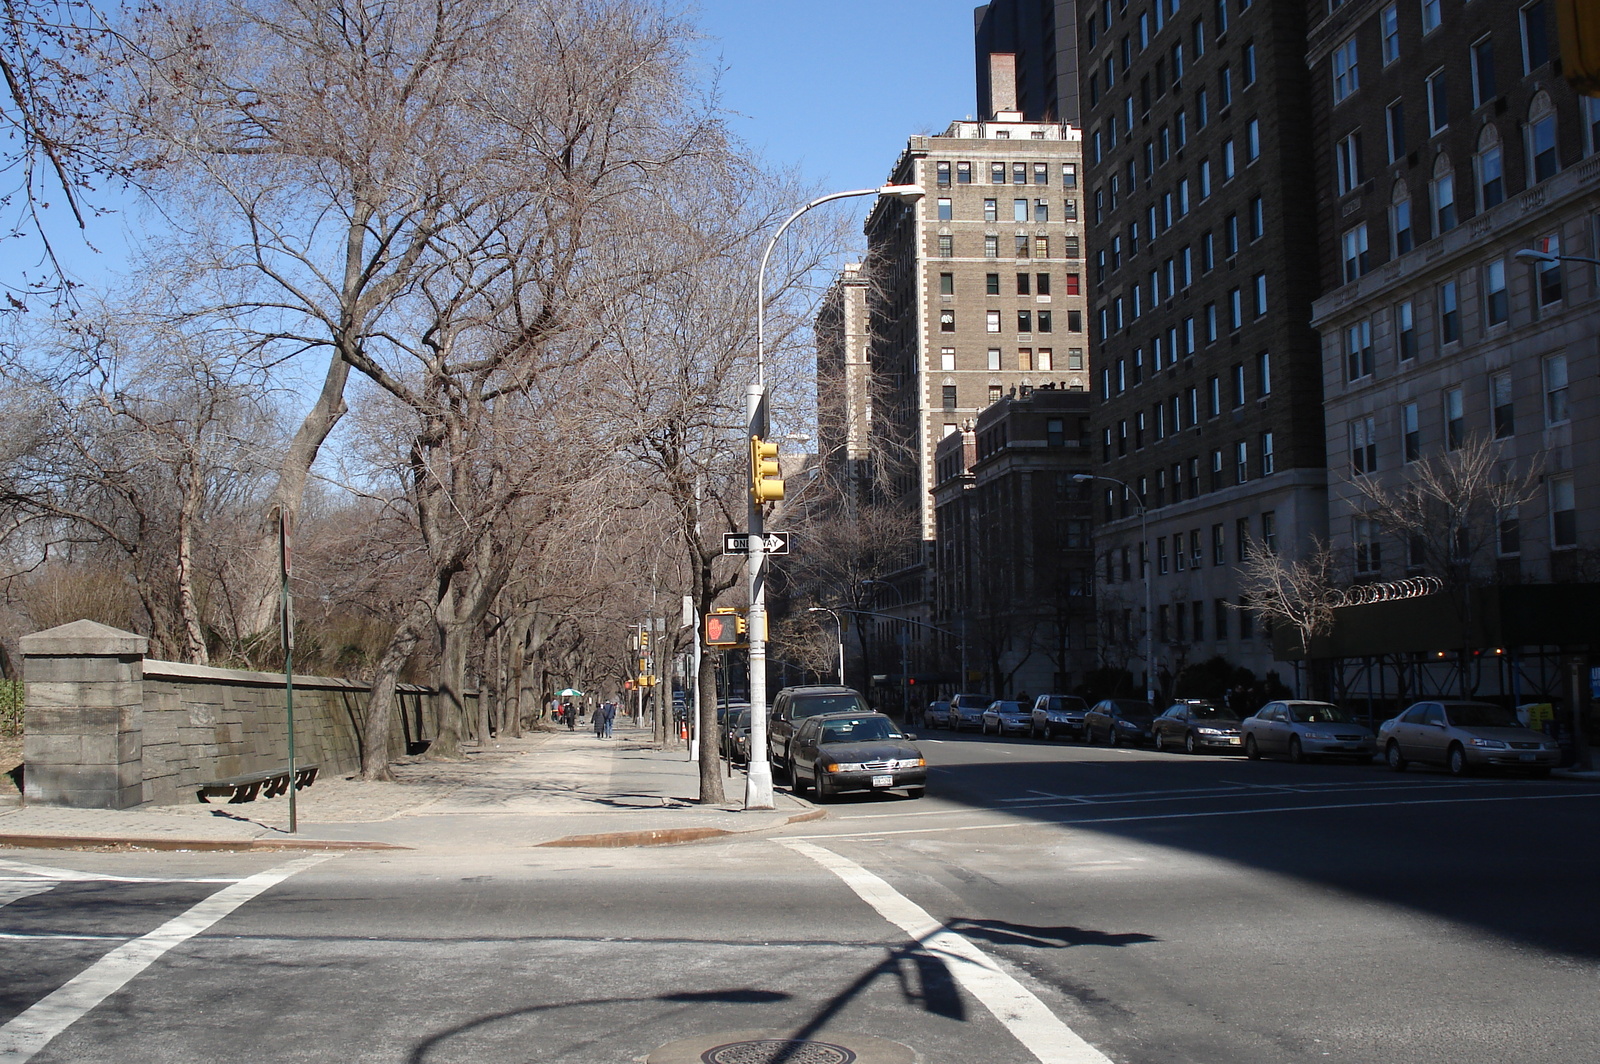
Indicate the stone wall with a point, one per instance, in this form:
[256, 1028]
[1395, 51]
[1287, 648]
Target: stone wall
[107, 728]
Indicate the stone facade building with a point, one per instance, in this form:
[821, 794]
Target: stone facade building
[1013, 554]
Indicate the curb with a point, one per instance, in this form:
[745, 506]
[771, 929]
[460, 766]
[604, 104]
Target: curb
[102, 842]
[672, 836]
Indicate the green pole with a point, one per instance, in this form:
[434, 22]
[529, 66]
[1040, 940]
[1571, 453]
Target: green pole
[288, 657]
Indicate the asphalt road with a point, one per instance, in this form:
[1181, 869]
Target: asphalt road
[1045, 902]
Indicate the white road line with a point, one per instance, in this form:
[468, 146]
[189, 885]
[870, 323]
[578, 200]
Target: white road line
[1015, 822]
[1039, 1030]
[32, 1030]
[9, 937]
[72, 875]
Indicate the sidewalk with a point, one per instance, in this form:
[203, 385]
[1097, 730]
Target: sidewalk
[551, 788]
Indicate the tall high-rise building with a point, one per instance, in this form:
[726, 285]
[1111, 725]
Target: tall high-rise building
[1203, 266]
[1031, 46]
[844, 406]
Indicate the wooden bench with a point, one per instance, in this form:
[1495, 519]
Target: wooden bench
[268, 784]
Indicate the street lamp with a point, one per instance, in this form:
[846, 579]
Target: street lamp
[758, 772]
[1144, 568]
[1534, 257]
[839, 624]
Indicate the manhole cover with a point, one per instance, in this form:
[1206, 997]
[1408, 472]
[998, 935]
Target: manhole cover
[778, 1051]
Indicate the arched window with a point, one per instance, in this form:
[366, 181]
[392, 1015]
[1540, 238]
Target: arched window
[1490, 168]
[1442, 190]
[1542, 159]
[1401, 237]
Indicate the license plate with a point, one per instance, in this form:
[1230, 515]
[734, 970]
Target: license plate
[883, 781]
[1530, 757]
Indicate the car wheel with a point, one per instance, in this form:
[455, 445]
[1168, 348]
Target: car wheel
[1111, 736]
[820, 786]
[797, 784]
[1251, 750]
[916, 792]
[1033, 731]
[1189, 745]
[1297, 753]
[1393, 757]
[1456, 761]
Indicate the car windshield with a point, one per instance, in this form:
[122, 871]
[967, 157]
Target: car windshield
[1008, 707]
[864, 730]
[1212, 713]
[811, 705]
[1318, 713]
[1475, 716]
[744, 719]
[1067, 704]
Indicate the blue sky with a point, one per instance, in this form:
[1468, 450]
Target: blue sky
[834, 87]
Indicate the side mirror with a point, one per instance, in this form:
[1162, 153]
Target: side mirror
[911, 736]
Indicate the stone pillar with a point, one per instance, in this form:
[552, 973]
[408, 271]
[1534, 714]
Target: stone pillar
[85, 702]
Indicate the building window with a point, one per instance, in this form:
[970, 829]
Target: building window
[1443, 189]
[1510, 535]
[1218, 545]
[949, 395]
[1074, 358]
[1535, 45]
[991, 321]
[1261, 294]
[1238, 384]
[1394, 117]
[1019, 210]
[997, 173]
[1073, 249]
[1555, 390]
[1455, 419]
[947, 359]
[1269, 531]
[1483, 89]
[1020, 249]
[1354, 243]
[1548, 274]
[994, 394]
[1347, 164]
[1241, 538]
[1024, 321]
[1346, 75]
[1496, 305]
[1043, 285]
[1044, 362]
[1563, 513]
[1364, 533]
[1264, 373]
[1501, 409]
[1069, 175]
[1043, 321]
[946, 246]
[1024, 281]
[1258, 219]
[1389, 27]
[946, 212]
[963, 173]
[1410, 436]
[1041, 247]
[1268, 462]
[1542, 159]
[1438, 103]
[991, 284]
[994, 358]
[1041, 211]
[1449, 314]
[943, 172]
[1241, 462]
[991, 210]
[1216, 469]
[1400, 219]
[1430, 16]
[1405, 327]
[991, 246]
[1041, 173]
[1490, 169]
[947, 284]
[1219, 614]
[947, 320]
[1363, 445]
[1252, 140]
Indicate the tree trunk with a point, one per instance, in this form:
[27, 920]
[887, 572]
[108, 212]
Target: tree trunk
[711, 790]
[194, 639]
[375, 752]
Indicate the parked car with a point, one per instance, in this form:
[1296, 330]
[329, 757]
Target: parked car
[937, 715]
[736, 738]
[1007, 718]
[1303, 730]
[1115, 721]
[835, 752]
[1464, 737]
[966, 711]
[794, 704]
[1054, 715]
[1193, 726]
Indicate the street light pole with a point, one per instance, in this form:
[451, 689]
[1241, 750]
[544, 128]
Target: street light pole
[758, 772]
[839, 624]
[1144, 568]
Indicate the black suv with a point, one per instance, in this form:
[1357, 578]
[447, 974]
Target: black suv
[794, 704]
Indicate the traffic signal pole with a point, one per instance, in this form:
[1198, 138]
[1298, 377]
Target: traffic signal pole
[758, 773]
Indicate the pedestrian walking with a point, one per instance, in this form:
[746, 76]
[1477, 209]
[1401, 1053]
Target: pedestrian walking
[609, 713]
[571, 715]
[599, 721]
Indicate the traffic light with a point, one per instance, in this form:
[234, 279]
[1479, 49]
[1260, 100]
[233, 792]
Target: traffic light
[742, 626]
[724, 628]
[766, 479]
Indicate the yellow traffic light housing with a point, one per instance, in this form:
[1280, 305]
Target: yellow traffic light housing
[766, 477]
[724, 628]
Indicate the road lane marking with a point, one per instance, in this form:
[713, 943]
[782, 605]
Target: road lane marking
[1016, 822]
[1028, 1019]
[72, 875]
[34, 1028]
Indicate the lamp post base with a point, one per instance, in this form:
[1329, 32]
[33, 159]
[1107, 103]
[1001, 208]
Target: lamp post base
[758, 785]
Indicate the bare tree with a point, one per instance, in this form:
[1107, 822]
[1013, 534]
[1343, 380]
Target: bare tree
[1301, 593]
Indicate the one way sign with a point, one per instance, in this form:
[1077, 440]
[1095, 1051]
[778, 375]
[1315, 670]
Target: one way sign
[739, 543]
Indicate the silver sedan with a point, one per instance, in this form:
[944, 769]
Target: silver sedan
[1464, 737]
[1302, 731]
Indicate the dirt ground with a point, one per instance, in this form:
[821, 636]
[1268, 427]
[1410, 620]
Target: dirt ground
[10, 759]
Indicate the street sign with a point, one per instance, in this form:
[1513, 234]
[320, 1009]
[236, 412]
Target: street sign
[739, 543]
